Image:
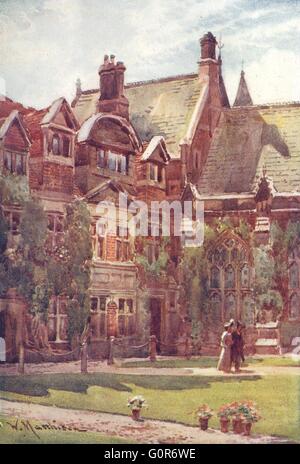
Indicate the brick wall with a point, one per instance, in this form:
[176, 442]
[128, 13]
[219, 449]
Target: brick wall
[58, 177]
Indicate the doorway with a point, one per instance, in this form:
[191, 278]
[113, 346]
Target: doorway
[155, 319]
[2, 338]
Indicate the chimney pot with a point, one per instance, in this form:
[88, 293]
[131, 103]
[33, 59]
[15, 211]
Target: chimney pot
[208, 46]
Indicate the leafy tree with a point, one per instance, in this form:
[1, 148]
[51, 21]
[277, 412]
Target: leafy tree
[77, 264]
[39, 272]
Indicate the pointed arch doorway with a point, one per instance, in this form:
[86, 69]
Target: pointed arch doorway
[156, 319]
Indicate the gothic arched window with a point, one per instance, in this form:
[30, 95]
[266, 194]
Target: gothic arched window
[230, 273]
[215, 277]
[230, 306]
[229, 277]
[216, 308]
[245, 276]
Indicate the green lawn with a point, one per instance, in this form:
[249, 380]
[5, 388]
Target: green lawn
[24, 434]
[210, 361]
[172, 398]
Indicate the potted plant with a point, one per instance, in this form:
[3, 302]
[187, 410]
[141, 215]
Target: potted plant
[224, 414]
[204, 413]
[237, 418]
[136, 404]
[249, 415]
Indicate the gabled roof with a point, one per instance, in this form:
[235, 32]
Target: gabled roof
[58, 105]
[159, 107]
[248, 140]
[11, 119]
[110, 184]
[33, 123]
[157, 142]
[243, 97]
[34, 119]
[85, 133]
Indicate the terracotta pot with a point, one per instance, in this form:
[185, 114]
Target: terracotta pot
[224, 422]
[203, 422]
[247, 428]
[237, 425]
[136, 414]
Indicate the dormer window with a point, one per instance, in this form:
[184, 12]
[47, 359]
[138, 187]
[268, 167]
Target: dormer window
[116, 162]
[61, 145]
[101, 159]
[153, 172]
[55, 145]
[112, 161]
[157, 173]
[66, 146]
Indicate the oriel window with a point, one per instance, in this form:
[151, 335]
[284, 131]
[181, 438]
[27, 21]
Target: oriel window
[55, 145]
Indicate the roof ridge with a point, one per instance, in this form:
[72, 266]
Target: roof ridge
[147, 82]
[266, 105]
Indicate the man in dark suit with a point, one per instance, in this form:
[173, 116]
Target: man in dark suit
[237, 347]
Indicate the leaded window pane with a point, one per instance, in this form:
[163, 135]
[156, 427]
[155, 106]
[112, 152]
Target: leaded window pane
[229, 277]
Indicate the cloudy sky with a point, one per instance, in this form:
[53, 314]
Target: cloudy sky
[46, 44]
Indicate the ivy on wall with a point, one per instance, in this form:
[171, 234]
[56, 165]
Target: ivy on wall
[195, 277]
[156, 268]
[37, 272]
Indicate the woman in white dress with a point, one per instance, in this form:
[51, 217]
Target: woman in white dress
[224, 363]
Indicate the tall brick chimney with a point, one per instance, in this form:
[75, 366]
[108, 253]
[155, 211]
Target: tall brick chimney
[208, 46]
[208, 65]
[112, 98]
[210, 73]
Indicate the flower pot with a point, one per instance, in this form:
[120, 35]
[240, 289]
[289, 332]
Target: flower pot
[237, 425]
[224, 423]
[247, 428]
[135, 414]
[203, 422]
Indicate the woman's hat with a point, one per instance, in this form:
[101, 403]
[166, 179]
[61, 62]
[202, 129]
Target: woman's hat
[226, 325]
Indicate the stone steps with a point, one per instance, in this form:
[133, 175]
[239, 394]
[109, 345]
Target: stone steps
[267, 346]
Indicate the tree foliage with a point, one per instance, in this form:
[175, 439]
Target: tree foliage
[37, 271]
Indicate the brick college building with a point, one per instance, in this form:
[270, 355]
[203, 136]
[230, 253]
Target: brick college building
[174, 138]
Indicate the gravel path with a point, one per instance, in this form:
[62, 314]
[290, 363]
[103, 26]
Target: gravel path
[148, 431]
[98, 366]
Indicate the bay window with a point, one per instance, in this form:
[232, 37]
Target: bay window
[125, 315]
[116, 162]
[55, 230]
[15, 162]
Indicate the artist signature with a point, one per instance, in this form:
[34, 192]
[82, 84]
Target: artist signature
[25, 425]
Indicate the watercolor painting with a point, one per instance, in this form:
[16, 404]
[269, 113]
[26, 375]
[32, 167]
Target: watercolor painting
[149, 222]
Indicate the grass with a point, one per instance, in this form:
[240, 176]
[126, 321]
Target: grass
[210, 361]
[171, 398]
[24, 434]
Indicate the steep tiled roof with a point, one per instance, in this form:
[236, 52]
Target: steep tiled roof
[7, 106]
[33, 124]
[158, 107]
[246, 140]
